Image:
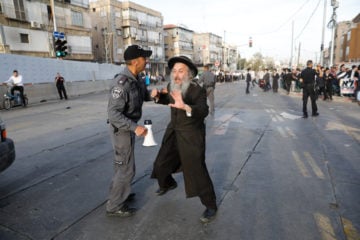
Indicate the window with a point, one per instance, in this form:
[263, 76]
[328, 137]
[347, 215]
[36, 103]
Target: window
[348, 35]
[24, 38]
[76, 18]
[49, 12]
[19, 9]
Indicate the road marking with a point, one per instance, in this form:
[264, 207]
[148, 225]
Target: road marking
[221, 130]
[290, 132]
[273, 119]
[324, 225]
[282, 132]
[300, 165]
[314, 166]
[267, 110]
[289, 116]
[350, 231]
[279, 118]
[225, 122]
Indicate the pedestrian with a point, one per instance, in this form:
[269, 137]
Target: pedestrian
[59, 81]
[183, 144]
[320, 82]
[208, 80]
[248, 80]
[328, 78]
[307, 78]
[275, 83]
[288, 80]
[267, 80]
[128, 92]
[147, 79]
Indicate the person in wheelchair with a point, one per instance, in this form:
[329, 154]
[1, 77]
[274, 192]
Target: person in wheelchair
[17, 84]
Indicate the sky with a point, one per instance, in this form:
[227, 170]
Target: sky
[267, 22]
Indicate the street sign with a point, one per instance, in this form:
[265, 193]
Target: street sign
[58, 35]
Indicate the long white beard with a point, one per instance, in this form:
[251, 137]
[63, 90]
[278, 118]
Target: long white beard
[183, 87]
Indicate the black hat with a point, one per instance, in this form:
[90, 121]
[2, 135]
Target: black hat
[184, 60]
[135, 51]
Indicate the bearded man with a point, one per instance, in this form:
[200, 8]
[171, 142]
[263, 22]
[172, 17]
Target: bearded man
[183, 144]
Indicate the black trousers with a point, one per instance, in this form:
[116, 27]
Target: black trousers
[61, 90]
[247, 86]
[309, 91]
[21, 90]
[328, 91]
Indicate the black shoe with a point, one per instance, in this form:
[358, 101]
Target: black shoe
[125, 211]
[130, 198]
[208, 215]
[305, 116]
[162, 191]
[315, 114]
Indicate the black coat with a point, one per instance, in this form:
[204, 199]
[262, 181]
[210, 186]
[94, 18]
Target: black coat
[183, 144]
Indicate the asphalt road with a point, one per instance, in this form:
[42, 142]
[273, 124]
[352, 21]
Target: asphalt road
[276, 175]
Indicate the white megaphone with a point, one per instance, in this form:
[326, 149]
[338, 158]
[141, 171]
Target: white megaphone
[149, 138]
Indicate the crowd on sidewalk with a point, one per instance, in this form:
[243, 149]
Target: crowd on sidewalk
[337, 80]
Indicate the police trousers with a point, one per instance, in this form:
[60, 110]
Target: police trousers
[124, 168]
[309, 91]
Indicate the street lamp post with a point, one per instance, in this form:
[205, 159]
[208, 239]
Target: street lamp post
[332, 25]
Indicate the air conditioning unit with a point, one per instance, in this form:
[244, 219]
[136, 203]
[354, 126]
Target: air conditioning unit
[140, 22]
[137, 37]
[157, 41]
[35, 24]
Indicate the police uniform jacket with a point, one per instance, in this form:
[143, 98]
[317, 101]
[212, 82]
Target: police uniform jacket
[127, 94]
[184, 142]
[308, 75]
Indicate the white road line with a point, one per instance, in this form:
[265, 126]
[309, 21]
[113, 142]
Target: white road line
[301, 166]
[282, 132]
[314, 166]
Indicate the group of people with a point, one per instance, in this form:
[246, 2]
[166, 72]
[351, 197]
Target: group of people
[17, 84]
[183, 144]
[329, 81]
[264, 82]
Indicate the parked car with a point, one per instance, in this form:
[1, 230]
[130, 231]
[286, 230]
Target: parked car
[7, 148]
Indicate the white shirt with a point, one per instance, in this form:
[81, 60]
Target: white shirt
[18, 81]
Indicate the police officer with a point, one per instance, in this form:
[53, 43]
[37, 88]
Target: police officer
[307, 78]
[128, 92]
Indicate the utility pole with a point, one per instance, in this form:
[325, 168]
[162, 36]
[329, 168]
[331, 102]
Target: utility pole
[53, 14]
[51, 37]
[332, 25]
[298, 58]
[322, 36]
[292, 44]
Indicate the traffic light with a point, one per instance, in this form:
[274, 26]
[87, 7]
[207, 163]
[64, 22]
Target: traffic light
[250, 42]
[60, 47]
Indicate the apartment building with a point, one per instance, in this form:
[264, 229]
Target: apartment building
[230, 57]
[27, 27]
[350, 42]
[178, 41]
[208, 49]
[117, 25]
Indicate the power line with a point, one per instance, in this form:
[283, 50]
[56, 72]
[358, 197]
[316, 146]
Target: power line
[292, 16]
[287, 20]
[308, 21]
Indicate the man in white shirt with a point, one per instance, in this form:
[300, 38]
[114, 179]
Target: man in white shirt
[17, 81]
